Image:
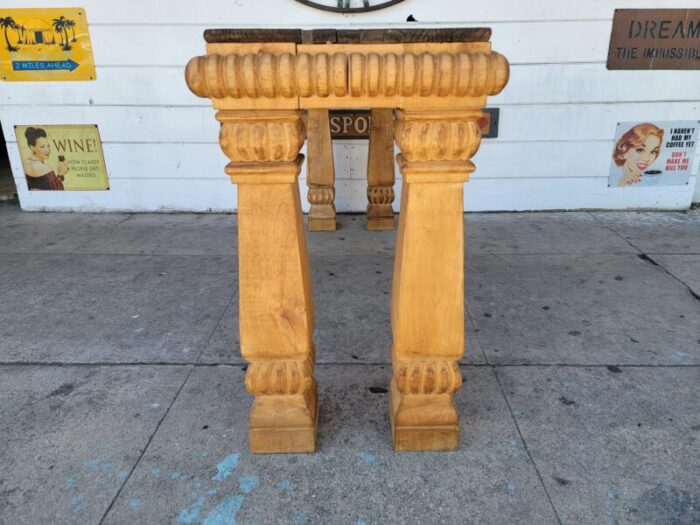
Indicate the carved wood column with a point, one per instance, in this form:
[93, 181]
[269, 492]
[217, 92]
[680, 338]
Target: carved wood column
[380, 170]
[320, 176]
[276, 303]
[427, 311]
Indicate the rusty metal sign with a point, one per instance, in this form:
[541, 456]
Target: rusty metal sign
[655, 39]
[355, 123]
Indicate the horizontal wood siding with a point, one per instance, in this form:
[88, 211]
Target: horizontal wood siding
[557, 120]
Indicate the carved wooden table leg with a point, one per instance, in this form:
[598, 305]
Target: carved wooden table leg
[260, 80]
[427, 311]
[320, 171]
[276, 304]
[380, 171]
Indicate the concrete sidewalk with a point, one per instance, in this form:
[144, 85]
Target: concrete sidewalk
[122, 398]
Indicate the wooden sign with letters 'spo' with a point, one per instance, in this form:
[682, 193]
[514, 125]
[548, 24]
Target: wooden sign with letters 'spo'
[354, 123]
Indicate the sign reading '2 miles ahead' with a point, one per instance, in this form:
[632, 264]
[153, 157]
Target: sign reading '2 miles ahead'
[45, 44]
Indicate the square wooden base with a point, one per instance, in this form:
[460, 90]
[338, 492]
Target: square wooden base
[321, 224]
[284, 424]
[380, 223]
[419, 438]
[282, 440]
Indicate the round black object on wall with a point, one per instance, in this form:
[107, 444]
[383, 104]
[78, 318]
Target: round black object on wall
[343, 6]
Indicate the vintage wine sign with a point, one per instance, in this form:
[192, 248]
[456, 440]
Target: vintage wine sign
[57, 158]
[45, 44]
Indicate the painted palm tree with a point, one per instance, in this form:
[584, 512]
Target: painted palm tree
[59, 25]
[23, 37]
[6, 23]
[71, 25]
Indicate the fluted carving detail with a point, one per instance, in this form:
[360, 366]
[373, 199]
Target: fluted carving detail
[427, 377]
[423, 136]
[265, 378]
[265, 139]
[380, 194]
[286, 75]
[321, 195]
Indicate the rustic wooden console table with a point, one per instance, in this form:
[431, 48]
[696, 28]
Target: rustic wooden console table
[261, 81]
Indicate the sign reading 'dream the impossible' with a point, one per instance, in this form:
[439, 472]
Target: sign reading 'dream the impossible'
[62, 157]
[653, 153]
[355, 123]
[655, 39]
[45, 44]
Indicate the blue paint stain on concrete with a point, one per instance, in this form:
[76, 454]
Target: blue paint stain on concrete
[248, 483]
[205, 454]
[680, 355]
[510, 487]
[123, 474]
[368, 458]
[92, 464]
[70, 483]
[175, 476]
[513, 443]
[197, 483]
[212, 492]
[609, 507]
[360, 522]
[226, 467]
[299, 519]
[285, 484]
[134, 503]
[190, 515]
[225, 512]
[77, 501]
[155, 471]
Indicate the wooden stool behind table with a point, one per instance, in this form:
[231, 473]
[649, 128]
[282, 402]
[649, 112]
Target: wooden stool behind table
[321, 172]
[436, 82]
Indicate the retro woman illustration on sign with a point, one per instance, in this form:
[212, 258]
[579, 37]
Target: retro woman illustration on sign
[635, 151]
[39, 175]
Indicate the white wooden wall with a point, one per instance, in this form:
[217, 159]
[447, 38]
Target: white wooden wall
[557, 122]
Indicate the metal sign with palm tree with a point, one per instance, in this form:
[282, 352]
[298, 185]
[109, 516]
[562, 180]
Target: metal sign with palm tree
[8, 23]
[59, 25]
[71, 25]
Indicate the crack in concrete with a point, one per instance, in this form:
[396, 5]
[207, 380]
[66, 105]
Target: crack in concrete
[148, 443]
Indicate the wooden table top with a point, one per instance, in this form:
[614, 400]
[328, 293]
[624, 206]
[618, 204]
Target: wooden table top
[348, 36]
